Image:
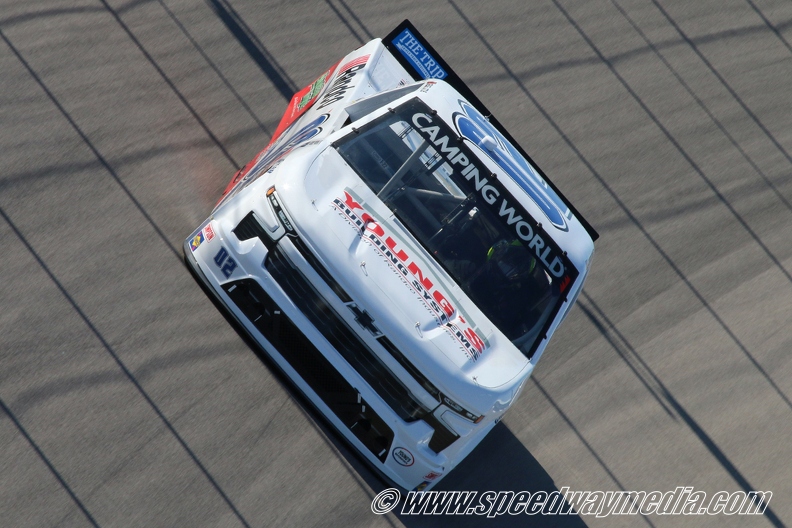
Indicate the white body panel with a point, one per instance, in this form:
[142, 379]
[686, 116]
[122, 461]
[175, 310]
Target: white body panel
[312, 183]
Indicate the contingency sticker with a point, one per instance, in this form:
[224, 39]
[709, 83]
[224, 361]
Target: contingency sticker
[208, 232]
[197, 241]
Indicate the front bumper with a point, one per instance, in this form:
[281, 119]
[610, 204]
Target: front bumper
[235, 273]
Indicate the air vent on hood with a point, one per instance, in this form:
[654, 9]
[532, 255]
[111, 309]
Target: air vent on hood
[250, 227]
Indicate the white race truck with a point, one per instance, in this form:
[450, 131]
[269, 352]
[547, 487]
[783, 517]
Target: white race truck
[398, 256]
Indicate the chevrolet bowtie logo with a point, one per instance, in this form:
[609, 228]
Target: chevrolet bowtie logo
[364, 319]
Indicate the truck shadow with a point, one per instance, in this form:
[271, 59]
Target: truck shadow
[500, 463]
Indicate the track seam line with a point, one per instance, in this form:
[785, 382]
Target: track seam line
[715, 120]
[170, 84]
[121, 365]
[720, 78]
[214, 67]
[90, 145]
[46, 460]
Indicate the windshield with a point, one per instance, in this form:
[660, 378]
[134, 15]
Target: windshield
[476, 231]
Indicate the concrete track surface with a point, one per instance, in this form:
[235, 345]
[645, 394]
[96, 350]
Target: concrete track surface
[126, 399]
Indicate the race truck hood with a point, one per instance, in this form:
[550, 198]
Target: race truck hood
[410, 298]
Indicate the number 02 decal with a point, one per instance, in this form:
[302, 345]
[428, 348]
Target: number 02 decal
[226, 264]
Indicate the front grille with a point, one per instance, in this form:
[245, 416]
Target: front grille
[313, 367]
[411, 369]
[343, 339]
[320, 270]
[312, 261]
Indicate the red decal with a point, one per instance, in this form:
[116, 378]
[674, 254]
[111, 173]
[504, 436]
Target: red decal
[299, 104]
[392, 245]
[441, 300]
[353, 63]
[474, 339]
[373, 226]
[412, 275]
[564, 283]
[350, 202]
[415, 270]
[209, 232]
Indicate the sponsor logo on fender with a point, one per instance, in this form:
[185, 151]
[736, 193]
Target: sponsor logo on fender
[343, 81]
[286, 143]
[412, 273]
[268, 158]
[313, 91]
[196, 241]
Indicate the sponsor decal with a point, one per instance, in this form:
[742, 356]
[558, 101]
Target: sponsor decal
[475, 127]
[363, 59]
[416, 54]
[196, 241]
[412, 273]
[425, 88]
[432, 475]
[492, 193]
[343, 81]
[313, 90]
[208, 232]
[267, 158]
[403, 457]
[422, 486]
[286, 143]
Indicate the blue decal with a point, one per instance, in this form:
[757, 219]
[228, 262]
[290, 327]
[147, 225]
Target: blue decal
[226, 264]
[416, 54]
[197, 240]
[474, 126]
[287, 142]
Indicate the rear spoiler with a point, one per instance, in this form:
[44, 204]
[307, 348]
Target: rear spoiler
[422, 61]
